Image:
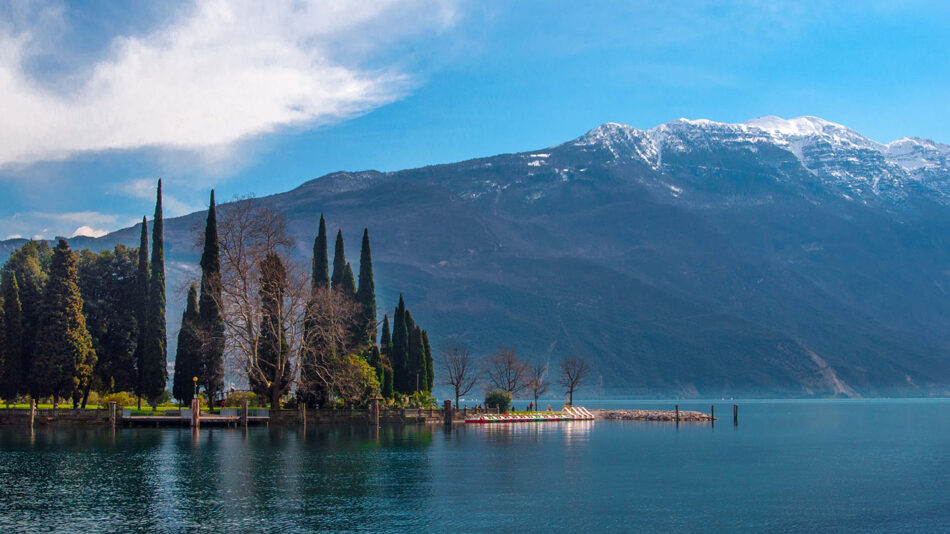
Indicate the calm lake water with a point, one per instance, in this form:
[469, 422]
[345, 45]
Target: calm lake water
[790, 466]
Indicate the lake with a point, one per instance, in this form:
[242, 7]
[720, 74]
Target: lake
[789, 466]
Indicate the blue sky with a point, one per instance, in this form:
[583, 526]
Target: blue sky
[98, 99]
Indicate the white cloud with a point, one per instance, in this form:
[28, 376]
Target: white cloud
[14, 236]
[87, 231]
[144, 188]
[221, 72]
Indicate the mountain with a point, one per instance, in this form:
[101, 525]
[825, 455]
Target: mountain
[773, 257]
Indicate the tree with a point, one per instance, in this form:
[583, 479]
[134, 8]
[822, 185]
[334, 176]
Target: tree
[210, 326]
[573, 371]
[417, 360]
[189, 354]
[507, 372]
[537, 381]
[499, 399]
[64, 354]
[430, 364]
[385, 350]
[153, 372]
[400, 349]
[30, 264]
[250, 233]
[366, 293]
[356, 381]
[339, 263]
[107, 282]
[271, 372]
[327, 344]
[461, 373]
[11, 374]
[140, 303]
[320, 276]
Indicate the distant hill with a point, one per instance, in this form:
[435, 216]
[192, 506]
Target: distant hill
[774, 257]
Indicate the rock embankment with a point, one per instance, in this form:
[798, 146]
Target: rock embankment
[652, 415]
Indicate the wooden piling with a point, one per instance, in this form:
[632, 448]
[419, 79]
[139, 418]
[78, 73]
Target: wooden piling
[735, 414]
[376, 411]
[112, 410]
[448, 412]
[302, 413]
[712, 412]
[244, 413]
[677, 413]
[32, 412]
[195, 416]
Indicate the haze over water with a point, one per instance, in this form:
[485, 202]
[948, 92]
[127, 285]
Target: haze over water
[790, 466]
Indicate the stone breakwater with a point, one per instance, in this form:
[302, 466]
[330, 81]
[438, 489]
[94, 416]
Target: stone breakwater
[652, 415]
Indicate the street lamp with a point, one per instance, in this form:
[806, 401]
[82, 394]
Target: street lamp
[195, 380]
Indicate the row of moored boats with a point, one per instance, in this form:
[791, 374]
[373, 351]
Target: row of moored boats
[568, 413]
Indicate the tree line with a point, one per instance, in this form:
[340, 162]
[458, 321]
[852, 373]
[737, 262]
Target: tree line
[259, 316]
[72, 323]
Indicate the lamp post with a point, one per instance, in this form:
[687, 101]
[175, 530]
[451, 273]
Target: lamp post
[195, 380]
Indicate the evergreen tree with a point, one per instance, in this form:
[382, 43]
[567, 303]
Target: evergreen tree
[366, 294]
[140, 303]
[154, 372]
[11, 374]
[210, 325]
[417, 360]
[320, 278]
[430, 363]
[107, 283]
[348, 287]
[339, 263]
[385, 350]
[272, 374]
[30, 264]
[400, 349]
[64, 354]
[188, 356]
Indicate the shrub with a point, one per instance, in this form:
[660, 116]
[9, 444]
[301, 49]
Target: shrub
[236, 398]
[122, 398]
[499, 399]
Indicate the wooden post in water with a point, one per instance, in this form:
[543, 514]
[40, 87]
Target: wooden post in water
[376, 411]
[735, 414]
[712, 413]
[448, 412]
[302, 413]
[32, 412]
[677, 413]
[112, 414]
[244, 412]
[195, 417]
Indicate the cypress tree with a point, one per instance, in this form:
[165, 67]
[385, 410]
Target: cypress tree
[141, 311]
[154, 373]
[210, 325]
[417, 359]
[348, 287]
[64, 354]
[366, 294]
[400, 349]
[11, 375]
[430, 363]
[385, 350]
[320, 278]
[188, 356]
[339, 263]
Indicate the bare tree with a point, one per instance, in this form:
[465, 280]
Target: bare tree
[250, 232]
[573, 371]
[537, 382]
[506, 371]
[327, 341]
[461, 372]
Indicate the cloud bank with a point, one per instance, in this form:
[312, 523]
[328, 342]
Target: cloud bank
[218, 73]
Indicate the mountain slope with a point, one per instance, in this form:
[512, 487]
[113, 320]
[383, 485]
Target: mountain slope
[773, 257]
